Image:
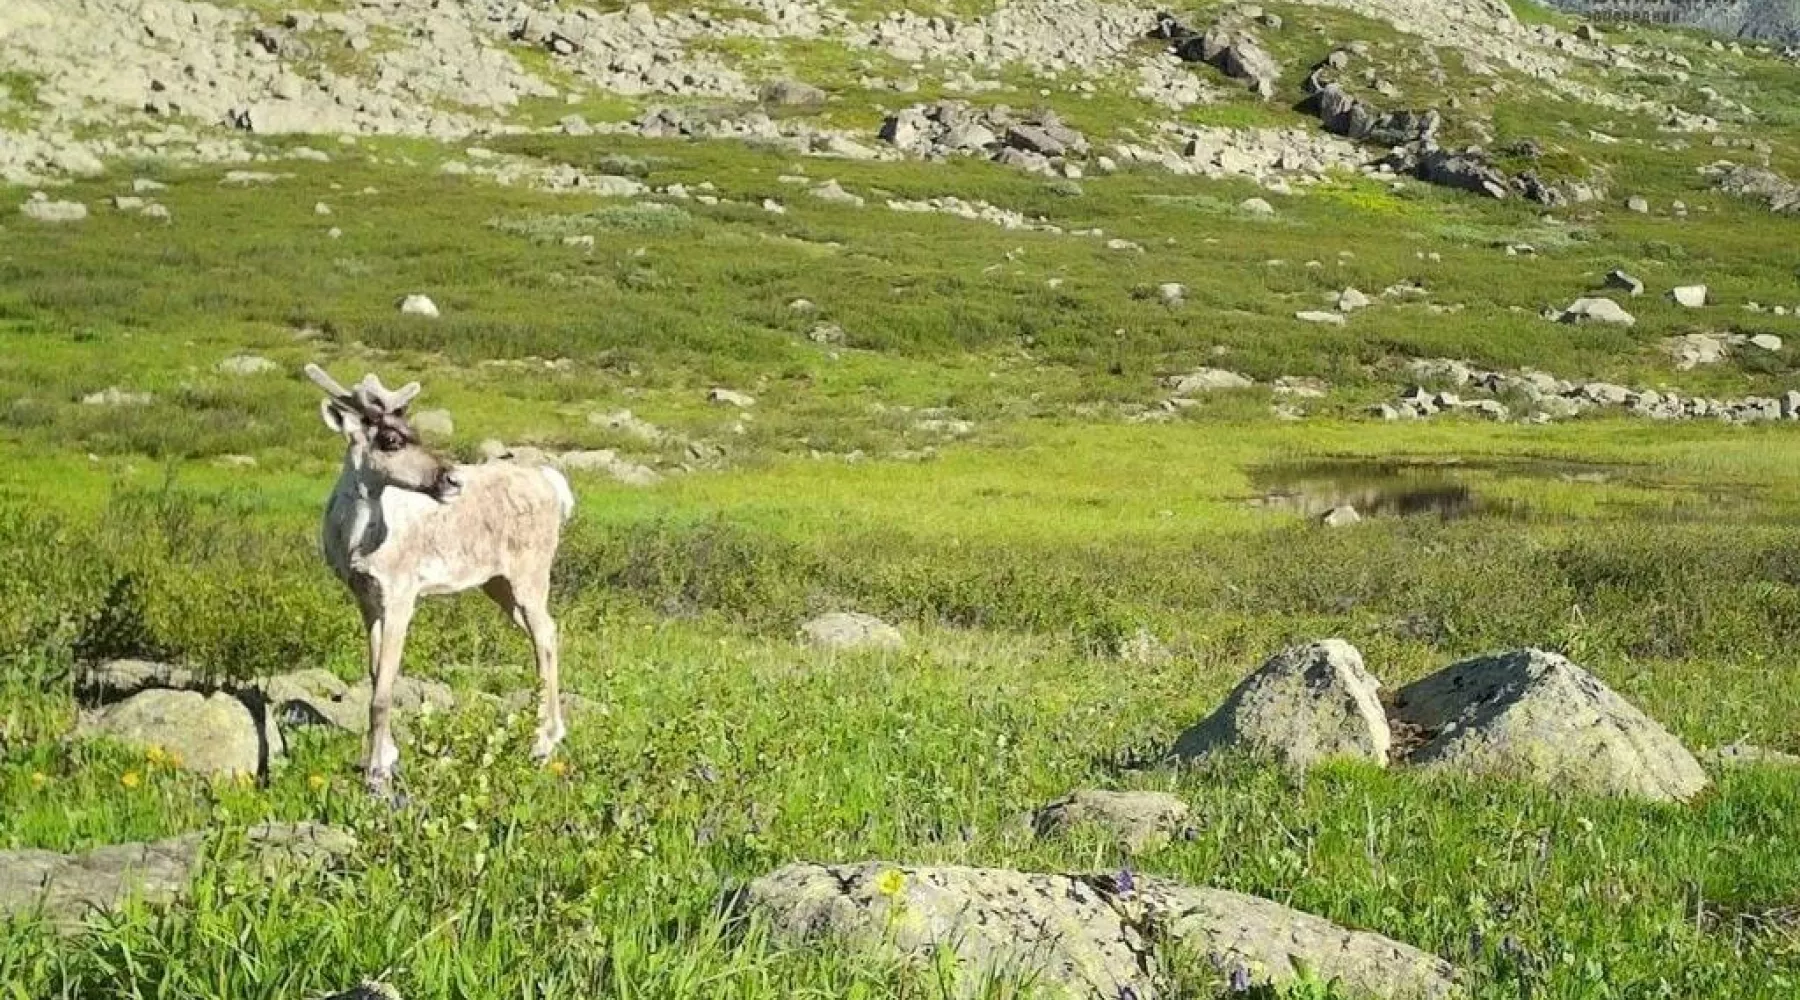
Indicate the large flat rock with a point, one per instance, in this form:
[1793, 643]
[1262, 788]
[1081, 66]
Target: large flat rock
[1075, 935]
[65, 888]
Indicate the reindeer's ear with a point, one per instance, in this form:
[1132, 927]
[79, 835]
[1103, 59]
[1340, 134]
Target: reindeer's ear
[340, 418]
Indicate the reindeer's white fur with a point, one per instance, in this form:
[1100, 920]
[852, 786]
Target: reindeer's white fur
[392, 542]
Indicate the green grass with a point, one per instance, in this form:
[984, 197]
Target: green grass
[1017, 559]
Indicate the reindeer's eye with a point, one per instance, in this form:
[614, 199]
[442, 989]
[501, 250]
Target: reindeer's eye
[389, 439]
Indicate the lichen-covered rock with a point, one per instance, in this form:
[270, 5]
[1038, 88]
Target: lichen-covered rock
[851, 630]
[1306, 705]
[111, 680]
[1740, 754]
[316, 696]
[1208, 380]
[207, 733]
[1138, 821]
[1088, 936]
[1060, 931]
[1534, 716]
[65, 888]
[1595, 309]
[1244, 932]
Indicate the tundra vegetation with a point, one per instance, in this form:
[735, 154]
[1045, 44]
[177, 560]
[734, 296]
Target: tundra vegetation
[997, 418]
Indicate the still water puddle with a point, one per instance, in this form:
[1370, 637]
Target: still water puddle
[1448, 489]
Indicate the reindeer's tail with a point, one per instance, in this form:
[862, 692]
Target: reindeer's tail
[565, 497]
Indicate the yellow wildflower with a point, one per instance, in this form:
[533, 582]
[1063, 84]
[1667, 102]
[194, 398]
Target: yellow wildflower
[890, 882]
[316, 782]
[39, 779]
[130, 779]
[558, 767]
[156, 755]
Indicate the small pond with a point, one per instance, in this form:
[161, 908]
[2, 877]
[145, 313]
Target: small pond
[1444, 488]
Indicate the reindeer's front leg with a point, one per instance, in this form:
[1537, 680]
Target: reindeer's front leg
[387, 641]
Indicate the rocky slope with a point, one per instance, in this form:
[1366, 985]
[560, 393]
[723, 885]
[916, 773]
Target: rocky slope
[92, 81]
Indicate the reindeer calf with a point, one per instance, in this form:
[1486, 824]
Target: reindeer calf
[403, 523]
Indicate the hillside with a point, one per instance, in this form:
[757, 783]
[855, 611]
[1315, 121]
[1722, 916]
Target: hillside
[961, 401]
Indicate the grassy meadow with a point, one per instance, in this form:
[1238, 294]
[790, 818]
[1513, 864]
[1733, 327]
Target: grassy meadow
[1023, 554]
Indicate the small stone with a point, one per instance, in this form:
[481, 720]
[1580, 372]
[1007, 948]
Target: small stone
[1320, 316]
[1340, 517]
[1172, 292]
[1625, 282]
[792, 93]
[1597, 310]
[730, 397]
[45, 210]
[1766, 341]
[1350, 300]
[247, 364]
[846, 631]
[1256, 206]
[321, 209]
[1637, 203]
[1208, 380]
[418, 305]
[1138, 822]
[1689, 296]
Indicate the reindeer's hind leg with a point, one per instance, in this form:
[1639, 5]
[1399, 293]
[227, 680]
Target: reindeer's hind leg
[527, 603]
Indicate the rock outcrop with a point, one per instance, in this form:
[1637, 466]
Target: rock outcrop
[65, 888]
[1084, 936]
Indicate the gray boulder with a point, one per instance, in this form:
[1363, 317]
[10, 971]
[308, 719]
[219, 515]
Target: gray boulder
[1468, 170]
[1341, 516]
[1272, 942]
[44, 210]
[1624, 282]
[1306, 705]
[112, 680]
[1689, 296]
[317, 697]
[851, 630]
[65, 888]
[1532, 715]
[209, 734]
[1088, 936]
[1208, 380]
[1597, 310]
[1733, 755]
[792, 93]
[1137, 821]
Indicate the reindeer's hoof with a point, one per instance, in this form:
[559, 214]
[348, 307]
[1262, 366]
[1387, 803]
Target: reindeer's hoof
[544, 747]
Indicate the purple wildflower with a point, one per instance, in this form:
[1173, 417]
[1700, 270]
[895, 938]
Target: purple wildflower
[1240, 978]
